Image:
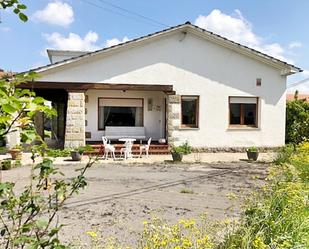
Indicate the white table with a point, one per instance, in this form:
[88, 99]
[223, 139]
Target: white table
[128, 146]
[127, 140]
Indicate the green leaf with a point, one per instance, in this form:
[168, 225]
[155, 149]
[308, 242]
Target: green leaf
[16, 11]
[39, 100]
[2, 232]
[23, 17]
[41, 223]
[8, 108]
[21, 6]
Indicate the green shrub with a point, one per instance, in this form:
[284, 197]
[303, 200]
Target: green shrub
[297, 121]
[278, 215]
[182, 149]
[284, 154]
[6, 164]
[253, 149]
[58, 152]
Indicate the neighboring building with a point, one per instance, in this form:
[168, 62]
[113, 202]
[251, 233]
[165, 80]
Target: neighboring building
[4, 74]
[183, 84]
[302, 88]
[291, 96]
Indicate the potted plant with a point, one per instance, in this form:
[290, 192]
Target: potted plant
[16, 152]
[77, 153]
[179, 151]
[252, 153]
[6, 164]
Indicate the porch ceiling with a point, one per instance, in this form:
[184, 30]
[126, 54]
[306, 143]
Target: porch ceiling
[81, 86]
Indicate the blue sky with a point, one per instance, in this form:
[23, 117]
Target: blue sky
[277, 27]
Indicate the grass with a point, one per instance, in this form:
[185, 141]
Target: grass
[274, 216]
[186, 191]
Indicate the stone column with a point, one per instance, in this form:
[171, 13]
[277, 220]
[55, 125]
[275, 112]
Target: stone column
[173, 119]
[75, 121]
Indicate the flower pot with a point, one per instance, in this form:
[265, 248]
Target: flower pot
[15, 153]
[6, 164]
[252, 155]
[162, 141]
[76, 156]
[177, 157]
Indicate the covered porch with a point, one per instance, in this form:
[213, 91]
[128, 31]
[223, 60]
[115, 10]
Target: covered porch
[87, 108]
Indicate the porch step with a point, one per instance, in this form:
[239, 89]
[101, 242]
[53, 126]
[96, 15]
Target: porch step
[155, 149]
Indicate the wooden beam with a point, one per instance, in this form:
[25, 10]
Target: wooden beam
[80, 86]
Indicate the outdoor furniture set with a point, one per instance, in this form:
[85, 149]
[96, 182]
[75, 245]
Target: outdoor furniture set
[128, 135]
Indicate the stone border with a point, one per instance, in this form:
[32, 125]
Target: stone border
[232, 149]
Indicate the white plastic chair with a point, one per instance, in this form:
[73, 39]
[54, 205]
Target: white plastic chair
[127, 150]
[108, 148]
[144, 147]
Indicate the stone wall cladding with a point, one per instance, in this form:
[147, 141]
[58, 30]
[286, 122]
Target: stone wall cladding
[232, 149]
[173, 116]
[75, 123]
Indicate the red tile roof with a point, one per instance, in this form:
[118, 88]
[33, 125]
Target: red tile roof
[290, 96]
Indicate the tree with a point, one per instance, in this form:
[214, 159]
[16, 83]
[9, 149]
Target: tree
[297, 120]
[18, 106]
[27, 217]
[17, 7]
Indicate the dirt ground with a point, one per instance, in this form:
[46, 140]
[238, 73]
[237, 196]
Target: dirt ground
[120, 197]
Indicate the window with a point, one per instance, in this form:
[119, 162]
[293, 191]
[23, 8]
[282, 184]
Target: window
[120, 112]
[243, 111]
[189, 111]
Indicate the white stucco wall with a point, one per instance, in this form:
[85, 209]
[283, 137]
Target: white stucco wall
[154, 120]
[194, 66]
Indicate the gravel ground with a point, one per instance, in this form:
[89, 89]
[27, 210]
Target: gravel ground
[120, 197]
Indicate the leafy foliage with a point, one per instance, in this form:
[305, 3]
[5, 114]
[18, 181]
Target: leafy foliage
[17, 6]
[278, 215]
[28, 218]
[58, 152]
[182, 149]
[253, 149]
[18, 107]
[274, 216]
[297, 121]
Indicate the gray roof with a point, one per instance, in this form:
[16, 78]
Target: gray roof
[188, 24]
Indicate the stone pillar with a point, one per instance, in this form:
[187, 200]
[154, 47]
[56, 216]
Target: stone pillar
[75, 121]
[173, 119]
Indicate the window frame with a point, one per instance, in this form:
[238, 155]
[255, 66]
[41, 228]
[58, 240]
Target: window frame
[242, 125]
[98, 113]
[197, 99]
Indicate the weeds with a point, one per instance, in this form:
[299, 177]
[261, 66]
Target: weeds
[186, 191]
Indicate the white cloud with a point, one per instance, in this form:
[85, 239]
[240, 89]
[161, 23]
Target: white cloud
[73, 41]
[295, 45]
[55, 13]
[115, 41]
[235, 27]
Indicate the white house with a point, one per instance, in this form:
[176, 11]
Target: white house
[183, 84]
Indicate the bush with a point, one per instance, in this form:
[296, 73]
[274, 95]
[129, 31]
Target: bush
[275, 216]
[182, 149]
[284, 155]
[58, 152]
[278, 215]
[6, 164]
[297, 121]
[253, 149]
